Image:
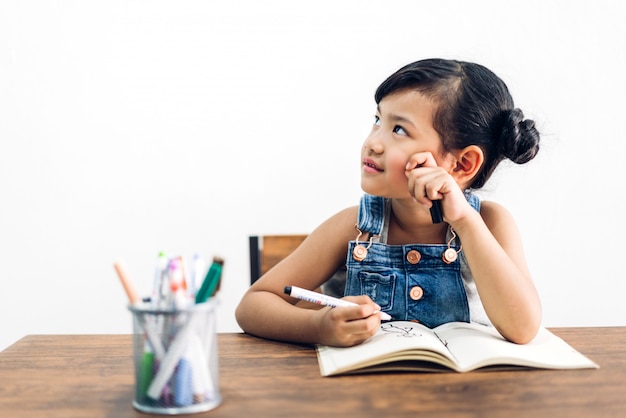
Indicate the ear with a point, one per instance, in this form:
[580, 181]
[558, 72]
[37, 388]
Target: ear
[469, 160]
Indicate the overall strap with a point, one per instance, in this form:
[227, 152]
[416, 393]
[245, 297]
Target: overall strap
[473, 200]
[371, 214]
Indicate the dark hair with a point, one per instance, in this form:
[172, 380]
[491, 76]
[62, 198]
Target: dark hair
[473, 107]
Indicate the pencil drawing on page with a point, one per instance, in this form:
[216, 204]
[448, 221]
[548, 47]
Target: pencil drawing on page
[400, 331]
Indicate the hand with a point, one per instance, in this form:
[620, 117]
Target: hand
[429, 182]
[348, 326]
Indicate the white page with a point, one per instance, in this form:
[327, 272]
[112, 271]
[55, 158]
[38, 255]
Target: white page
[476, 346]
[392, 337]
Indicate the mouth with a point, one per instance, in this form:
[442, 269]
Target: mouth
[370, 165]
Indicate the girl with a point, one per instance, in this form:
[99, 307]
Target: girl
[441, 128]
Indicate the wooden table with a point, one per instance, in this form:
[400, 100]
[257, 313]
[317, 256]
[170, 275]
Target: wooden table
[92, 376]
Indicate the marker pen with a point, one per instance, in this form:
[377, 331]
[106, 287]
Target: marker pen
[171, 359]
[146, 370]
[436, 213]
[202, 382]
[197, 271]
[158, 291]
[183, 389]
[178, 294]
[325, 300]
[211, 281]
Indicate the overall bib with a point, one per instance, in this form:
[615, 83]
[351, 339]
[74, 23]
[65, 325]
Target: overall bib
[409, 282]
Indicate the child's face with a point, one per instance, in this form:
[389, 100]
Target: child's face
[403, 126]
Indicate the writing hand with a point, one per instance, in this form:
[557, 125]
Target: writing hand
[350, 325]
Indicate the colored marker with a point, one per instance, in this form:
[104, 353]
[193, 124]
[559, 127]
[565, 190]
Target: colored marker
[183, 389]
[171, 359]
[159, 291]
[197, 270]
[211, 281]
[146, 369]
[202, 382]
[325, 300]
[176, 274]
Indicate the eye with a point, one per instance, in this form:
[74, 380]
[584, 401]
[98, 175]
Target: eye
[376, 120]
[399, 130]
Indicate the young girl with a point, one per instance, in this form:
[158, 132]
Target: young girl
[441, 128]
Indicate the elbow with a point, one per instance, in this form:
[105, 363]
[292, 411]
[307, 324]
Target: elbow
[522, 332]
[522, 336]
[240, 317]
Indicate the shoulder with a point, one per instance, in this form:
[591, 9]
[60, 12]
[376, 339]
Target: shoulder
[340, 224]
[497, 218]
[332, 235]
[492, 208]
[329, 245]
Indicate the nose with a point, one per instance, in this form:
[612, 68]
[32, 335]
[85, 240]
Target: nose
[373, 144]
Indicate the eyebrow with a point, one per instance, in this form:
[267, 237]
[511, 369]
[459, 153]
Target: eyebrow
[397, 118]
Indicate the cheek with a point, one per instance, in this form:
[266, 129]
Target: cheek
[396, 165]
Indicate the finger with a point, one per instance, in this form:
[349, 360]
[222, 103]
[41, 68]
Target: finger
[417, 179]
[363, 327]
[366, 303]
[361, 299]
[364, 309]
[369, 327]
[423, 188]
[421, 159]
[432, 190]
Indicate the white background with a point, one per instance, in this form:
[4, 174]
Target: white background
[133, 127]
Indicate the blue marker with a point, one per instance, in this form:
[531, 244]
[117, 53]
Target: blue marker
[183, 386]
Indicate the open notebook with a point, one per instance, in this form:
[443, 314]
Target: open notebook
[455, 346]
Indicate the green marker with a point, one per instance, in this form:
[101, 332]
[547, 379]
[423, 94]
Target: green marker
[145, 374]
[211, 281]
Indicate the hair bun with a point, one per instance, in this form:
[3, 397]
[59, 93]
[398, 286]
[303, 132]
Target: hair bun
[519, 140]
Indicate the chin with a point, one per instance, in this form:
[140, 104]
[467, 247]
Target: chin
[368, 189]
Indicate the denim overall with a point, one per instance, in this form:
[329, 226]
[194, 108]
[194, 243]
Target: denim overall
[409, 282]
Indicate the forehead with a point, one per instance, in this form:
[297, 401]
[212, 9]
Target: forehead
[408, 104]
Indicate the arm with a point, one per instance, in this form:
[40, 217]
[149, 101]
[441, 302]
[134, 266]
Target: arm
[267, 312]
[491, 241]
[493, 248]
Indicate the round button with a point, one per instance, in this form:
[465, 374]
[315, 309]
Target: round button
[413, 256]
[449, 256]
[359, 253]
[416, 293]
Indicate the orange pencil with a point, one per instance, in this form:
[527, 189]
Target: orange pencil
[126, 282]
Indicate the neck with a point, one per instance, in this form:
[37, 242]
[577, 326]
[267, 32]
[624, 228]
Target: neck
[411, 223]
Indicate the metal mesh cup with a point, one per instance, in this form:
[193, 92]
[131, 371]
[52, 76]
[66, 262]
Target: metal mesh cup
[176, 363]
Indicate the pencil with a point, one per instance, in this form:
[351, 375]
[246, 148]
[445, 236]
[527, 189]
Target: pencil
[129, 288]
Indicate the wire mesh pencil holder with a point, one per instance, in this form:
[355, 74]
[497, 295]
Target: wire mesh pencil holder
[175, 357]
